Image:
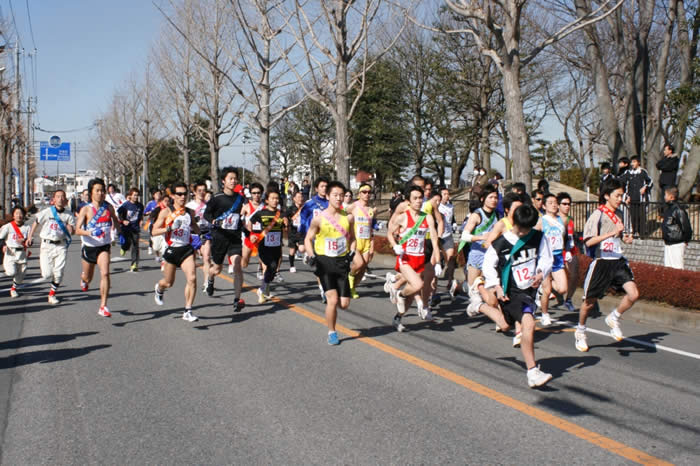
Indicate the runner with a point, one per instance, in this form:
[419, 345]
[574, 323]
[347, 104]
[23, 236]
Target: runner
[604, 232]
[571, 250]
[412, 227]
[269, 242]
[94, 224]
[330, 238]
[15, 234]
[295, 240]
[515, 265]
[223, 212]
[115, 199]
[57, 226]
[554, 230]
[312, 208]
[347, 201]
[198, 205]
[365, 221]
[158, 241]
[152, 204]
[131, 214]
[181, 234]
[248, 210]
[447, 242]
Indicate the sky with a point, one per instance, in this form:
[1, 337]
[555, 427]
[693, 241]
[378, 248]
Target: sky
[85, 50]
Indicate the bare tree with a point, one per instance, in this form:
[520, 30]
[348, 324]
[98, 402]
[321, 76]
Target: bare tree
[496, 28]
[335, 40]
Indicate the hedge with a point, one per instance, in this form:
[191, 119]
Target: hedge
[678, 288]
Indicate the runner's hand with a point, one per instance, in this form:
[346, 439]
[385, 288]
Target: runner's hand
[438, 270]
[398, 250]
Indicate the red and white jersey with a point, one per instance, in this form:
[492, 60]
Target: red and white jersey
[415, 244]
[12, 239]
[181, 228]
[104, 223]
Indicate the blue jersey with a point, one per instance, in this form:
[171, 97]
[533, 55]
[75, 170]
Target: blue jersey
[149, 207]
[311, 208]
[131, 212]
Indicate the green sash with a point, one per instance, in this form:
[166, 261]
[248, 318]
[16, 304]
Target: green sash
[516, 248]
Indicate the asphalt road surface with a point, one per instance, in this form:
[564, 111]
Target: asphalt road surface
[263, 386]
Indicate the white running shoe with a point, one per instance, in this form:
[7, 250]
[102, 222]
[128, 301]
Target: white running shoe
[53, 300]
[279, 279]
[581, 341]
[400, 304]
[473, 308]
[104, 312]
[545, 320]
[230, 270]
[261, 296]
[453, 289]
[516, 339]
[13, 293]
[428, 315]
[398, 325]
[422, 312]
[292, 270]
[537, 378]
[569, 306]
[158, 296]
[150, 250]
[614, 325]
[388, 280]
[189, 317]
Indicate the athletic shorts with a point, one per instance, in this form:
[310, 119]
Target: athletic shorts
[475, 258]
[333, 272]
[558, 262]
[520, 302]
[205, 235]
[605, 274]
[176, 255]
[225, 244]
[448, 242]
[90, 253]
[417, 263]
[269, 255]
[294, 240]
[428, 251]
[363, 245]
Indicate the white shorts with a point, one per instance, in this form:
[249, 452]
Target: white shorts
[159, 244]
[52, 260]
[15, 264]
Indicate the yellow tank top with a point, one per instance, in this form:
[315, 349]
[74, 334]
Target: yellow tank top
[363, 223]
[329, 241]
[506, 222]
[428, 209]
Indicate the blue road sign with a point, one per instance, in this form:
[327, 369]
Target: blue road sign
[53, 154]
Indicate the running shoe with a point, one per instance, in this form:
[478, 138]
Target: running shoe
[545, 320]
[104, 312]
[453, 289]
[614, 325]
[354, 294]
[122, 252]
[537, 378]
[261, 296]
[333, 338]
[278, 279]
[83, 286]
[150, 250]
[53, 300]
[189, 317]
[398, 325]
[209, 288]
[238, 305]
[400, 303]
[388, 280]
[581, 341]
[569, 306]
[13, 293]
[230, 269]
[393, 294]
[158, 296]
[292, 270]
[517, 339]
[134, 268]
[435, 300]
[428, 315]
[259, 275]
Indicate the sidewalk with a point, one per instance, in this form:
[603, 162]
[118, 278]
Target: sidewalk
[643, 311]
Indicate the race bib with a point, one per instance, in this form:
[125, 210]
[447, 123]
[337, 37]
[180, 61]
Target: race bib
[610, 248]
[273, 238]
[556, 242]
[231, 222]
[335, 246]
[524, 273]
[296, 221]
[416, 246]
[364, 232]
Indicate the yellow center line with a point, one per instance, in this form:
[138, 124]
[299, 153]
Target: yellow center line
[601, 441]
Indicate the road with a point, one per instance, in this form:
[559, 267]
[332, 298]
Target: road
[263, 387]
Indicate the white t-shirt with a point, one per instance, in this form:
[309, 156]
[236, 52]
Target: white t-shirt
[448, 214]
[12, 239]
[115, 199]
[50, 230]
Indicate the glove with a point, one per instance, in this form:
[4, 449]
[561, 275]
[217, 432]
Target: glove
[309, 260]
[98, 233]
[195, 241]
[169, 229]
[438, 270]
[217, 223]
[398, 250]
[567, 256]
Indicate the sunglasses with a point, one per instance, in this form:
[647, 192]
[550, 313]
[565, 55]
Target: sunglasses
[180, 193]
[538, 198]
[565, 203]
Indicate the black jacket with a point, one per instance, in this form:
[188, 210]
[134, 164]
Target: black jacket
[676, 227]
[668, 167]
[633, 182]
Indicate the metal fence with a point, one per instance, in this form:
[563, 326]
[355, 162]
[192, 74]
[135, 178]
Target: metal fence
[644, 219]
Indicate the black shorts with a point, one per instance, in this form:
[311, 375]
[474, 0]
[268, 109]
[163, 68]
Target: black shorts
[294, 240]
[176, 255]
[225, 244]
[91, 253]
[520, 302]
[269, 256]
[333, 274]
[605, 274]
[428, 250]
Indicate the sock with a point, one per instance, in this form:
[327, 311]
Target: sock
[351, 280]
[188, 308]
[397, 316]
[210, 280]
[54, 288]
[581, 328]
[616, 315]
[291, 260]
[158, 290]
[330, 332]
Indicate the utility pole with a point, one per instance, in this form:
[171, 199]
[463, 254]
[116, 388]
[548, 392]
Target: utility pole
[27, 198]
[144, 189]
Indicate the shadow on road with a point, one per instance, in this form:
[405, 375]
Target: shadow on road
[42, 340]
[46, 356]
[627, 347]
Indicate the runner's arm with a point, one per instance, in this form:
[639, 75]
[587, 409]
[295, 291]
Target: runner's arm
[440, 225]
[30, 236]
[80, 223]
[544, 259]
[393, 230]
[472, 222]
[115, 220]
[159, 225]
[488, 268]
[494, 234]
[310, 235]
[351, 232]
[434, 239]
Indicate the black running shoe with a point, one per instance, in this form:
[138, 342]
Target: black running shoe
[238, 305]
[210, 289]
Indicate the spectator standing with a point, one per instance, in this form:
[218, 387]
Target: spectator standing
[676, 230]
[605, 173]
[668, 166]
[622, 166]
[637, 184]
[305, 189]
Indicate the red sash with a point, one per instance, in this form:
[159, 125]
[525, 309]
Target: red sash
[18, 232]
[169, 221]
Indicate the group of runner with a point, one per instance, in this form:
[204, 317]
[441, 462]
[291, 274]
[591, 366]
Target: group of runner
[513, 263]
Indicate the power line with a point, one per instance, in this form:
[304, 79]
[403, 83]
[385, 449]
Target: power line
[67, 130]
[12, 10]
[31, 30]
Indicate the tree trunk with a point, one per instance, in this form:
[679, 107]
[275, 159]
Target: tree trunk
[485, 139]
[213, 141]
[264, 169]
[515, 121]
[186, 161]
[342, 146]
[689, 50]
[690, 172]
